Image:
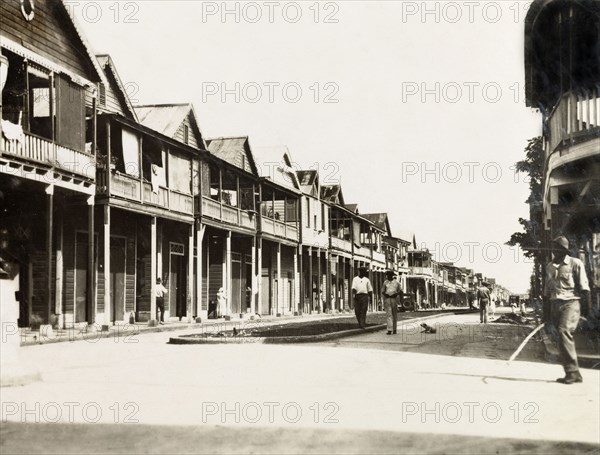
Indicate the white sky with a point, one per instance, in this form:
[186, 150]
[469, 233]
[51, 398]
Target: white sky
[379, 137]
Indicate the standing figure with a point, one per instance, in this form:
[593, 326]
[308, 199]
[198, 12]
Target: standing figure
[483, 295]
[391, 293]
[221, 302]
[362, 292]
[566, 284]
[160, 300]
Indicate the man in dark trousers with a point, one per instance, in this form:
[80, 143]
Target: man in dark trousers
[160, 300]
[483, 295]
[566, 284]
[362, 292]
[391, 293]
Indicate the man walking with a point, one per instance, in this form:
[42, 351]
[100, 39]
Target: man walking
[566, 284]
[390, 293]
[483, 295]
[362, 292]
[160, 300]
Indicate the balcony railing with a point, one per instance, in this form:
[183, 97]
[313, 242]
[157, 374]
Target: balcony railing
[573, 115]
[341, 244]
[232, 215]
[133, 189]
[421, 271]
[38, 150]
[279, 229]
[379, 257]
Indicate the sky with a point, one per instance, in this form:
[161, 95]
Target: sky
[416, 108]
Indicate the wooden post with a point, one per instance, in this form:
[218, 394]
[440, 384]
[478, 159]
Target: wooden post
[153, 272]
[259, 274]
[328, 286]
[253, 277]
[200, 229]
[310, 280]
[295, 304]
[190, 298]
[91, 272]
[319, 299]
[280, 308]
[49, 238]
[106, 256]
[58, 291]
[300, 280]
[227, 276]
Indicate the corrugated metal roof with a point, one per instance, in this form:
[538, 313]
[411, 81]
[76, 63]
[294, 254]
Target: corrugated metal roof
[164, 118]
[379, 219]
[234, 150]
[271, 163]
[352, 207]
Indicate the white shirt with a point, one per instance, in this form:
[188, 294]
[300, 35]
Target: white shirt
[160, 290]
[361, 285]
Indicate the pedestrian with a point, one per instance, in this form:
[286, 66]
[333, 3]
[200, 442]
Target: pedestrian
[483, 295]
[363, 293]
[391, 293]
[160, 300]
[221, 302]
[566, 284]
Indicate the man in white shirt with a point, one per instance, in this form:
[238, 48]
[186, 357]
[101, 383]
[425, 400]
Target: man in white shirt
[391, 291]
[160, 300]
[362, 292]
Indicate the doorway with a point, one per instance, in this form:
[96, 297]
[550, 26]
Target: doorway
[177, 281]
[118, 252]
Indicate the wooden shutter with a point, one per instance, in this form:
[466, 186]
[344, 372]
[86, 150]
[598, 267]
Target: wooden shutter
[70, 114]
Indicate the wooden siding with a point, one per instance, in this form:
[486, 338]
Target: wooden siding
[193, 141]
[50, 34]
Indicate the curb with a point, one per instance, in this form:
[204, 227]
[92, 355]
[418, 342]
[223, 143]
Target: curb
[181, 340]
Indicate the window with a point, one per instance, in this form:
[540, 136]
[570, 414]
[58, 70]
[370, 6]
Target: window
[307, 211]
[186, 134]
[101, 95]
[323, 218]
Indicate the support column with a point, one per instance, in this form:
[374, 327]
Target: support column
[190, 297]
[153, 271]
[328, 281]
[58, 291]
[300, 281]
[227, 275]
[296, 281]
[253, 278]
[259, 288]
[91, 270]
[49, 232]
[279, 310]
[310, 280]
[319, 298]
[350, 296]
[200, 229]
[106, 256]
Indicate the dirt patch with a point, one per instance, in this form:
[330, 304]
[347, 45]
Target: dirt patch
[515, 319]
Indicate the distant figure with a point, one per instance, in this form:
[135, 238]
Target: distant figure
[483, 295]
[493, 299]
[391, 294]
[566, 284]
[362, 290]
[221, 302]
[160, 300]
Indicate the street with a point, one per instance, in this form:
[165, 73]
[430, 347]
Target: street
[372, 392]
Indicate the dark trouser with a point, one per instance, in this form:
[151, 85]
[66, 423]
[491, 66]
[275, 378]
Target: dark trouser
[160, 306]
[483, 310]
[361, 303]
[565, 316]
[391, 310]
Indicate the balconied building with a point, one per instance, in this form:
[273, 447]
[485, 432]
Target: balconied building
[49, 82]
[562, 69]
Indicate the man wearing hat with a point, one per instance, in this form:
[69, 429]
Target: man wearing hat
[566, 284]
[390, 292]
[483, 295]
[362, 290]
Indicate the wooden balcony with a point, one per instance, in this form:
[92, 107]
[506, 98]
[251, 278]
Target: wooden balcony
[225, 213]
[279, 229]
[41, 152]
[341, 244]
[574, 118]
[133, 189]
[379, 257]
[423, 271]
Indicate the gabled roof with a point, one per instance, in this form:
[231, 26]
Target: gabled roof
[167, 118]
[309, 181]
[107, 64]
[332, 194]
[234, 150]
[52, 63]
[380, 220]
[274, 164]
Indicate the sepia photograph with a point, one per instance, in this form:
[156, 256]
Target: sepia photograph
[299, 227]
